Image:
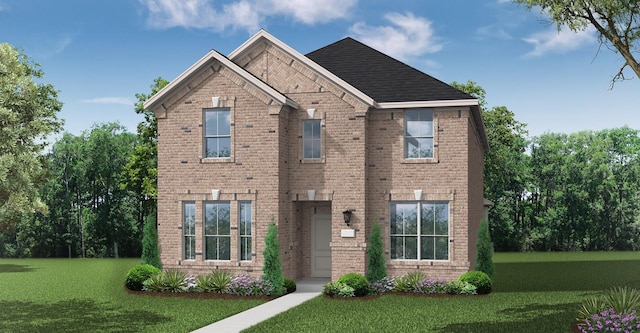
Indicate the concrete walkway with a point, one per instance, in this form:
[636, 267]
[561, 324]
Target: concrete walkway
[306, 289]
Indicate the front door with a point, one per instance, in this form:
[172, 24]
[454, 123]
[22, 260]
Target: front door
[320, 250]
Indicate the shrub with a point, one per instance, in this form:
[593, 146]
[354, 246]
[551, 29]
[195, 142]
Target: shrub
[150, 253]
[409, 282]
[622, 300]
[480, 280]
[220, 281]
[154, 283]
[204, 283]
[484, 257]
[138, 274]
[289, 285]
[610, 321]
[335, 289]
[430, 286]
[376, 269]
[244, 285]
[272, 268]
[384, 285]
[175, 281]
[458, 287]
[356, 281]
[590, 307]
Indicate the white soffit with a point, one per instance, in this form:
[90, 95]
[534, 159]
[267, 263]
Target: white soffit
[427, 104]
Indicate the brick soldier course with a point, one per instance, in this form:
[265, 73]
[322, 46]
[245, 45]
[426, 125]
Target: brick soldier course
[360, 98]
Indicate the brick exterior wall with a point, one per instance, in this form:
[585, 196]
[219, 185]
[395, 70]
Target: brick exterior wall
[362, 169]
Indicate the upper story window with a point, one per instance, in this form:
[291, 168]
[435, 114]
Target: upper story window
[217, 133]
[311, 139]
[419, 230]
[418, 133]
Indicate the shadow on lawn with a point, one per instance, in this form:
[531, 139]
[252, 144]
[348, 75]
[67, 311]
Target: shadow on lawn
[530, 318]
[74, 316]
[10, 268]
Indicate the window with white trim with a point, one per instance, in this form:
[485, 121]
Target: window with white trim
[418, 133]
[245, 230]
[217, 230]
[419, 230]
[189, 230]
[311, 139]
[217, 133]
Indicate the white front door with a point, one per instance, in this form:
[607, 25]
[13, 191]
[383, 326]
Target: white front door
[320, 250]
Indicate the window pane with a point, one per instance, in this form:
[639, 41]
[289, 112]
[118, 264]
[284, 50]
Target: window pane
[442, 248]
[425, 149]
[211, 123]
[224, 122]
[426, 221]
[245, 218]
[411, 247]
[245, 250]
[403, 219]
[224, 147]
[210, 219]
[224, 248]
[224, 218]
[426, 248]
[396, 248]
[442, 219]
[311, 139]
[189, 247]
[211, 150]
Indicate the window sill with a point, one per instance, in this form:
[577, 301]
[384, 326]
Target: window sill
[420, 161]
[211, 160]
[312, 161]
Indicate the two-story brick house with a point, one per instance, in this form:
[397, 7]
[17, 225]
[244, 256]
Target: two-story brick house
[309, 142]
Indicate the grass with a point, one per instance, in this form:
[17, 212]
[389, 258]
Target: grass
[88, 295]
[533, 292]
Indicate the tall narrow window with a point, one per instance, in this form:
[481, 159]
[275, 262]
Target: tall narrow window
[217, 133]
[311, 139]
[189, 229]
[419, 230]
[418, 133]
[217, 230]
[245, 230]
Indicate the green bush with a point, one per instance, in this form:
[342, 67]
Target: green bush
[409, 282]
[335, 289]
[150, 252]
[480, 280]
[622, 300]
[220, 281]
[458, 287]
[174, 281]
[484, 257]
[289, 285]
[272, 268]
[376, 269]
[356, 281]
[154, 283]
[204, 283]
[138, 274]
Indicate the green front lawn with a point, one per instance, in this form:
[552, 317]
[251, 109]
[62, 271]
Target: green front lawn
[88, 295]
[533, 292]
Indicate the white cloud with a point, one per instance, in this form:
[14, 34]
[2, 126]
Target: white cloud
[554, 41]
[110, 100]
[408, 36]
[241, 14]
[62, 44]
[492, 31]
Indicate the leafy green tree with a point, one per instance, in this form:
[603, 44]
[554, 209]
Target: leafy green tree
[376, 269]
[150, 252]
[272, 268]
[27, 117]
[616, 21]
[484, 260]
[140, 174]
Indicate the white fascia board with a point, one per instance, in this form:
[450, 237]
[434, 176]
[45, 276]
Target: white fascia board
[427, 104]
[182, 78]
[237, 53]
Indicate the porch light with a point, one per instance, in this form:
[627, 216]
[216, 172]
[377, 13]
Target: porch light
[347, 216]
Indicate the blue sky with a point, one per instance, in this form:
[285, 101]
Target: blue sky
[99, 54]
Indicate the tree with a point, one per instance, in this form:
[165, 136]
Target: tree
[27, 117]
[484, 260]
[140, 174]
[376, 269]
[272, 269]
[150, 253]
[617, 23]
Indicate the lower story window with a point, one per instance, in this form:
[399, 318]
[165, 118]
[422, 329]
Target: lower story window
[419, 230]
[245, 230]
[189, 230]
[217, 230]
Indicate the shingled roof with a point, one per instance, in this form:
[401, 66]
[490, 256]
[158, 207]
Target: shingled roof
[380, 76]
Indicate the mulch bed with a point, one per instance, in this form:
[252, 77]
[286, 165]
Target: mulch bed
[193, 295]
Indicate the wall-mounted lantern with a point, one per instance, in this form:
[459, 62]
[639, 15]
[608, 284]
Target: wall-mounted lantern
[347, 216]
